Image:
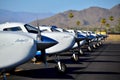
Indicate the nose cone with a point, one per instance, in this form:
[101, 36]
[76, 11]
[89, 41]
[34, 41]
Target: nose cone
[80, 37]
[45, 42]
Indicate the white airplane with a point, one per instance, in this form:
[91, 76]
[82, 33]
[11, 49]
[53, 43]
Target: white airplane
[89, 39]
[24, 45]
[79, 39]
[65, 41]
[97, 38]
[102, 36]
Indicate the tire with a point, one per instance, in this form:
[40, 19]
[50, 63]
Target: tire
[81, 52]
[63, 68]
[98, 44]
[89, 48]
[94, 46]
[34, 59]
[75, 57]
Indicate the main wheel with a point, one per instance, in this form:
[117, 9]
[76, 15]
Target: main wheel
[61, 67]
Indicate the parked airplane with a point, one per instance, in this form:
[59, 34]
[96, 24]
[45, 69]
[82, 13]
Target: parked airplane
[98, 38]
[65, 41]
[86, 38]
[89, 38]
[9, 42]
[79, 39]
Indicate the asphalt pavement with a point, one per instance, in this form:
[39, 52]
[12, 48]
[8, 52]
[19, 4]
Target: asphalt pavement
[101, 64]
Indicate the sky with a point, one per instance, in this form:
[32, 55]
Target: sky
[54, 6]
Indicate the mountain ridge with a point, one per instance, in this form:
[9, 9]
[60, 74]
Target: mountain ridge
[87, 17]
[26, 17]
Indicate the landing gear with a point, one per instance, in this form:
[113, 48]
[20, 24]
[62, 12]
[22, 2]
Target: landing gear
[98, 44]
[94, 46]
[89, 48]
[81, 52]
[34, 60]
[75, 57]
[61, 67]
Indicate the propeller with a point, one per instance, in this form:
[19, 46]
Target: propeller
[43, 43]
[39, 41]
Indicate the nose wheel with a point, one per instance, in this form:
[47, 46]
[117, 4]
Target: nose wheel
[81, 51]
[89, 48]
[98, 44]
[94, 46]
[75, 57]
[61, 67]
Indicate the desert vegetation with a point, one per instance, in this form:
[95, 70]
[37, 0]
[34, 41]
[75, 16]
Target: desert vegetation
[105, 25]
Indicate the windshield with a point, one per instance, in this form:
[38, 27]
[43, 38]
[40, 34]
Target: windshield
[17, 28]
[31, 29]
[65, 30]
[54, 29]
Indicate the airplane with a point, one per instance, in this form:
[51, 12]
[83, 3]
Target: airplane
[98, 38]
[9, 58]
[65, 41]
[79, 39]
[89, 39]
[102, 35]
[86, 38]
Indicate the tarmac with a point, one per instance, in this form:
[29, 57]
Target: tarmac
[101, 64]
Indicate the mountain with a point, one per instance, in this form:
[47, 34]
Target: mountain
[87, 17]
[10, 16]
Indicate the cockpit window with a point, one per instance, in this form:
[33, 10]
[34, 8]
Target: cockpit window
[31, 29]
[44, 30]
[65, 30]
[12, 29]
[53, 29]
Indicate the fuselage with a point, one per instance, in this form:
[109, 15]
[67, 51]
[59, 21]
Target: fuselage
[15, 49]
[65, 40]
[79, 38]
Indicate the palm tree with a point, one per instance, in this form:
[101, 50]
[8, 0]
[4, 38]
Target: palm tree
[107, 27]
[71, 15]
[111, 18]
[117, 26]
[78, 23]
[103, 21]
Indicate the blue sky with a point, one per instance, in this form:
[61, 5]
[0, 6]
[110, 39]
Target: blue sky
[54, 6]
